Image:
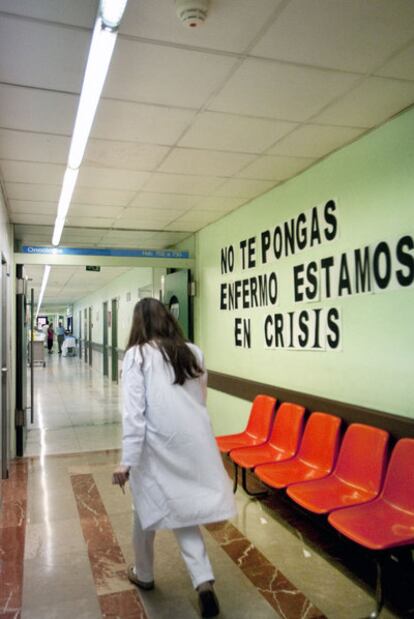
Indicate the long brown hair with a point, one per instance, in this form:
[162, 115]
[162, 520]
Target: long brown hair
[152, 322]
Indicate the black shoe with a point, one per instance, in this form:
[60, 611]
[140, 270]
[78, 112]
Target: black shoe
[132, 577]
[207, 600]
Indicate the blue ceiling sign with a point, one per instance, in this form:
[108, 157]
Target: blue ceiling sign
[96, 251]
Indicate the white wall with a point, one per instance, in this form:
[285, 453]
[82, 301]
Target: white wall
[6, 249]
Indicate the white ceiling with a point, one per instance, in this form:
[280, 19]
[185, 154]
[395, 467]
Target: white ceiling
[68, 284]
[192, 123]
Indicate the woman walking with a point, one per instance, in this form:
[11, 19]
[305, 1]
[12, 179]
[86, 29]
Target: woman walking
[169, 453]
[50, 336]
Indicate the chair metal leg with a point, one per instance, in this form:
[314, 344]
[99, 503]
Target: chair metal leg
[245, 488]
[236, 474]
[379, 592]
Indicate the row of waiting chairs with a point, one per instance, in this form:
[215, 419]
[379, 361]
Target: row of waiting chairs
[367, 499]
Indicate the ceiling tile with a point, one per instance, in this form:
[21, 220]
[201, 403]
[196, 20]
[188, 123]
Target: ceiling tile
[400, 66]
[76, 12]
[106, 197]
[372, 102]
[164, 200]
[200, 217]
[165, 75]
[94, 210]
[37, 110]
[184, 226]
[31, 172]
[220, 203]
[26, 206]
[275, 168]
[105, 178]
[314, 140]
[153, 214]
[126, 155]
[121, 235]
[229, 26]
[279, 90]
[182, 183]
[204, 162]
[89, 222]
[355, 35]
[44, 55]
[27, 218]
[29, 191]
[229, 132]
[244, 188]
[136, 122]
[25, 146]
[134, 224]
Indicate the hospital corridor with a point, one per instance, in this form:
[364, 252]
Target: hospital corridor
[206, 309]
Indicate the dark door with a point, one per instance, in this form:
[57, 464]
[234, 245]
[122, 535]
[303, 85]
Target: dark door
[176, 297]
[85, 334]
[114, 342]
[80, 334]
[5, 411]
[21, 361]
[105, 338]
[90, 334]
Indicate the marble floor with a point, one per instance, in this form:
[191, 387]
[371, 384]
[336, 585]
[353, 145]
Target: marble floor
[65, 532]
[76, 409]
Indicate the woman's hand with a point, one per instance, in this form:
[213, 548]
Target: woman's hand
[120, 476]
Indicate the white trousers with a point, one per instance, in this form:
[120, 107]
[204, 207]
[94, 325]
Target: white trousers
[192, 549]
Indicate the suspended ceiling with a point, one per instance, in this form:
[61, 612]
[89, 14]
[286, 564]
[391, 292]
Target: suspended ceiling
[193, 123]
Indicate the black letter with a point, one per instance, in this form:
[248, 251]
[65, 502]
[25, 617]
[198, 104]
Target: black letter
[223, 289]
[298, 281]
[326, 264]
[332, 320]
[273, 288]
[278, 318]
[362, 271]
[301, 231]
[405, 259]
[237, 332]
[288, 227]
[382, 281]
[312, 289]
[268, 323]
[265, 245]
[277, 242]
[315, 233]
[330, 218]
[344, 279]
[303, 326]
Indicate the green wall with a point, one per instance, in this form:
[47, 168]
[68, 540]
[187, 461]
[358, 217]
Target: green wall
[372, 182]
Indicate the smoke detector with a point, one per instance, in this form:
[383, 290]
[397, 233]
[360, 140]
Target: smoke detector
[192, 13]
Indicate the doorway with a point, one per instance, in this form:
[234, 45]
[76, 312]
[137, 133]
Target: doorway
[5, 412]
[176, 297]
[85, 334]
[90, 334]
[80, 334]
[114, 343]
[105, 338]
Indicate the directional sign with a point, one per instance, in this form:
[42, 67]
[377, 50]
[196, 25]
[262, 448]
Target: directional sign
[97, 251]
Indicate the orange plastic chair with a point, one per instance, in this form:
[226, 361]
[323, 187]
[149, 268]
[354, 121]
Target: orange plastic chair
[388, 521]
[258, 427]
[316, 456]
[283, 442]
[357, 477]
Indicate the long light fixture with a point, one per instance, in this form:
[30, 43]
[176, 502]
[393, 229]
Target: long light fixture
[46, 274]
[100, 54]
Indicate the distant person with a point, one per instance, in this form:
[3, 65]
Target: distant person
[60, 332]
[169, 453]
[50, 336]
[45, 329]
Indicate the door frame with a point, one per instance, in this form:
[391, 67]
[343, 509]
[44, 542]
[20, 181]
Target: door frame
[105, 363]
[5, 402]
[114, 340]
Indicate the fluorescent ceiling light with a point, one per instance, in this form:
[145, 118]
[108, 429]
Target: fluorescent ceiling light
[111, 12]
[46, 274]
[66, 193]
[100, 54]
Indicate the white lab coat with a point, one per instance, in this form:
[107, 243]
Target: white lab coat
[177, 477]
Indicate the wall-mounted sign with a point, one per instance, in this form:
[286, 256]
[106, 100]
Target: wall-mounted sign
[387, 264]
[97, 251]
[93, 268]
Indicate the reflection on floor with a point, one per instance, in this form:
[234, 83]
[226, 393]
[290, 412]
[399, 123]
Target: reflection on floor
[65, 533]
[75, 409]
